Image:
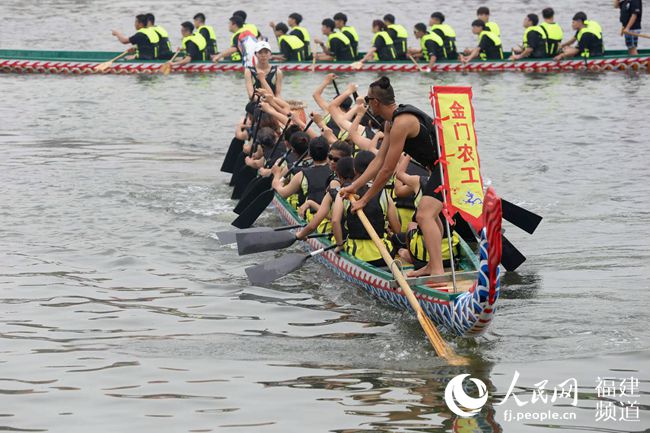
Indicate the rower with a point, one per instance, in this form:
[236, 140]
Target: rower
[590, 42]
[483, 14]
[194, 45]
[382, 47]
[165, 46]
[590, 24]
[311, 182]
[534, 44]
[235, 27]
[207, 32]
[247, 26]
[489, 44]
[263, 74]
[294, 21]
[338, 48]
[552, 31]
[432, 46]
[319, 216]
[146, 40]
[292, 48]
[412, 132]
[446, 32]
[399, 35]
[341, 23]
[378, 208]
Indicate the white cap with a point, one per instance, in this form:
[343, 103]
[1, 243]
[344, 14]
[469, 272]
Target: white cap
[262, 45]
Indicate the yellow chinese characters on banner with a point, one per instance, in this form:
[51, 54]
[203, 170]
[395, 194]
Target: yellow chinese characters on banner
[459, 155]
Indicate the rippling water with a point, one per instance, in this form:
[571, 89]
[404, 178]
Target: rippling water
[121, 312]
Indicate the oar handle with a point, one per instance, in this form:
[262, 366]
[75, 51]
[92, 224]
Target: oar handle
[257, 129]
[281, 229]
[269, 163]
[120, 56]
[178, 51]
[296, 162]
[322, 250]
[319, 235]
[308, 125]
[415, 62]
[336, 87]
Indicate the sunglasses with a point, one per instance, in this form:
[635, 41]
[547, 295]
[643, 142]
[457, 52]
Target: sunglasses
[333, 158]
[368, 98]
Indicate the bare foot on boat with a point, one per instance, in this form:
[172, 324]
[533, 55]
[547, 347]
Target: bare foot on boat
[424, 272]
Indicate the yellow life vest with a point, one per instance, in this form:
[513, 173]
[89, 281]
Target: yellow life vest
[582, 32]
[390, 48]
[236, 56]
[295, 43]
[365, 249]
[495, 39]
[306, 39]
[154, 40]
[252, 28]
[446, 29]
[199, 41]
[213, 37]
[354, 41]
[554, 37]
[493, 27]
[162, 33]
[342, 38]
[431, 37]
[401, 34]
[595, 27]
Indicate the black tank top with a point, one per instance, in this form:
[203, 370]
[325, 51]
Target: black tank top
[270, 77]
[318, 180]
[423, 148]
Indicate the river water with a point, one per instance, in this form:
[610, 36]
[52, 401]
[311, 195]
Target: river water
[120, 312]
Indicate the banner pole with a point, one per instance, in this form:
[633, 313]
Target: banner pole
[444, 198]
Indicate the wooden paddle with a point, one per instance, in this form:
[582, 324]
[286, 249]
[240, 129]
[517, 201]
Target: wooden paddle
[640, 35]
[441, 347]
[249, 243]
[313, 59]
[166, 68]
[270, 271]
[103, 67]
[415, 62]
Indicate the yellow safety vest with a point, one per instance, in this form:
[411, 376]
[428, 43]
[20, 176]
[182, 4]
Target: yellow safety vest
[354, 42]
[446, 29]
[296, 44]
[532, 29]
[307, 39]
[236, 56]
[495, 39]
[493, 27]
[200, 42]
[431, 37]
[342, 38]
[597, 29]
[154, 40]
[162, 33]
[387, 40]
[213, 36]
[401, 33]
[252, 28]
[305, 33]
[365, 249]
[554, 37]
[582, 32]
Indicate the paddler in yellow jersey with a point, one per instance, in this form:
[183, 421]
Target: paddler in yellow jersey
[534, 43]
[194, 45]
[399, 34]
[338, 46]
[294, 21]
[553, 32]
[235, 26]
[592, 25]
[446, 32]
[590, 40]
[432, 46]
[165, 46]
[291, 47]
[382, 48]
[207, 32]
[483, 14]
[341, 25]
[248, 26]
[145, 40]
[489, 45]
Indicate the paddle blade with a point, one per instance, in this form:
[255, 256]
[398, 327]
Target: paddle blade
[254, 210]
[271, 271]
[102, 67]
[256, 187]
[522, 218]
[166, 68]
[230, 237]
[249, 243]
[235, 148]
[245, 176]
[511, 257]
[238, 166]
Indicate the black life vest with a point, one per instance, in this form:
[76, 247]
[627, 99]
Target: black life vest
[375, 211]
[270, 77]
[315, 182]
[423, 148]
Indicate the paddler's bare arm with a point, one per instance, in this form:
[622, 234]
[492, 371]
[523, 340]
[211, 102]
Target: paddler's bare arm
[337, 216]
[224, 54]
[321, 214]
[291, 188]
[318, 93]
[121, 37]
[250, 88]
[355, 135]
[372, 170]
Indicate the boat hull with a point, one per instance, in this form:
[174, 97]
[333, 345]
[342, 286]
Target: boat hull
[466, 314]
[84, 63]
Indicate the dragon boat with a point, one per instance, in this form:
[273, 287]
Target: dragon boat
[85, 62]
[466, 311]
